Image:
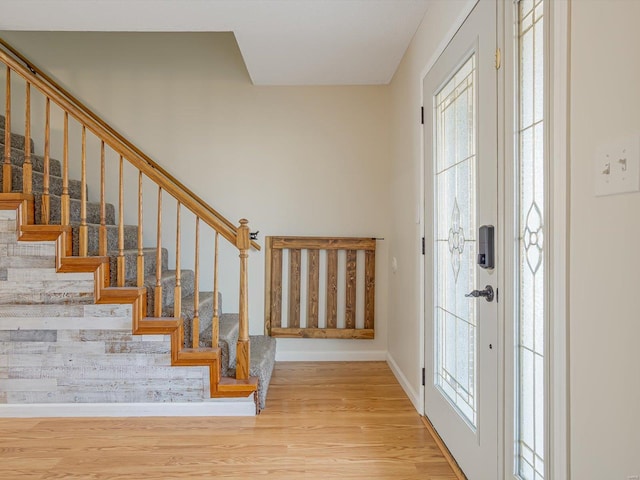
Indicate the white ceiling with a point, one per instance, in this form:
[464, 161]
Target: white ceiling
[283, 42]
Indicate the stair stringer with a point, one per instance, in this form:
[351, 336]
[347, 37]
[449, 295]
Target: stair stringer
[23, 205]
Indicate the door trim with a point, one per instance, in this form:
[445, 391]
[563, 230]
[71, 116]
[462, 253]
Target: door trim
[560, 69]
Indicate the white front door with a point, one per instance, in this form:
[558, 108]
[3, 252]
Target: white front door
[461, 185]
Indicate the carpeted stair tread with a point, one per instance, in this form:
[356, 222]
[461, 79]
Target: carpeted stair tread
[131, 263]
[205, 315]
[130, 237]
[229, 329]
[262, 361]
[55, 183]
[168, 283]
[17, 140]
[227, 340]
[75, 207]
[37, 161]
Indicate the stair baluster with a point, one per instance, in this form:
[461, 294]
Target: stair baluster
[157, 306]
[46, 211]
[84, 229]
[27, 175]
[121, 265]
[6, 167]
[140, 259]
[177, 296]
[64, 200]
[195, 323]
[102, 239]
[215, 321]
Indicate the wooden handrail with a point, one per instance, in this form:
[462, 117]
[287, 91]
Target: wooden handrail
[120, 144]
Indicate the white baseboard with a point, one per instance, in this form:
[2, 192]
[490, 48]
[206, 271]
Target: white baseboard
[212, 408]
[331, 356]
[405, 384]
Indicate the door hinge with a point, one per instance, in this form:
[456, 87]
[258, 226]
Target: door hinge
[423, 245]
[498, 59]
[423, 376]
[421, 115]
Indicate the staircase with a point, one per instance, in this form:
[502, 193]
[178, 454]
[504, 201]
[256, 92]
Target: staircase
[187, 327]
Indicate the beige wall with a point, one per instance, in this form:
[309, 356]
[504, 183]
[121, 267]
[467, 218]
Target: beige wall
[605, 260]
[406, 197]
[293, 160]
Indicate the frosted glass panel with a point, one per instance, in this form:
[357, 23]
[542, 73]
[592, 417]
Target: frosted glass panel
[530, 340]
[455, 242]
[526, 79]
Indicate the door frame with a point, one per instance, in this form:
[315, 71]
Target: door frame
[559, 229]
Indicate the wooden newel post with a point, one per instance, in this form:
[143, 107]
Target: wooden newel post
[243, 356]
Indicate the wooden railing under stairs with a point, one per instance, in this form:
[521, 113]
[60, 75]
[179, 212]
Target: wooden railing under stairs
[285, 299]
[19, 71]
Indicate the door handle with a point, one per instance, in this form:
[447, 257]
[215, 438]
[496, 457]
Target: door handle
[487, 293]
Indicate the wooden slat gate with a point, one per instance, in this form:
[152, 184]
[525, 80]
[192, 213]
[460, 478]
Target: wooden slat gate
[346, 274]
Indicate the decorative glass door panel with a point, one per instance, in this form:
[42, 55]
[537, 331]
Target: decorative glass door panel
[455, 244]
[461, 186]
[530, 318]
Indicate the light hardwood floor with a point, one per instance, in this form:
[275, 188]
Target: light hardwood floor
[323, 420]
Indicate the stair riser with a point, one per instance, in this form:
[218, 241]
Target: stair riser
[37, 186]
[80, 366]
[17, 158]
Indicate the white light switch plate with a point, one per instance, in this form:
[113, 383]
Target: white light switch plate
[617, 166]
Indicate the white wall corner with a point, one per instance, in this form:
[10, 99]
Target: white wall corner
[413, 395]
